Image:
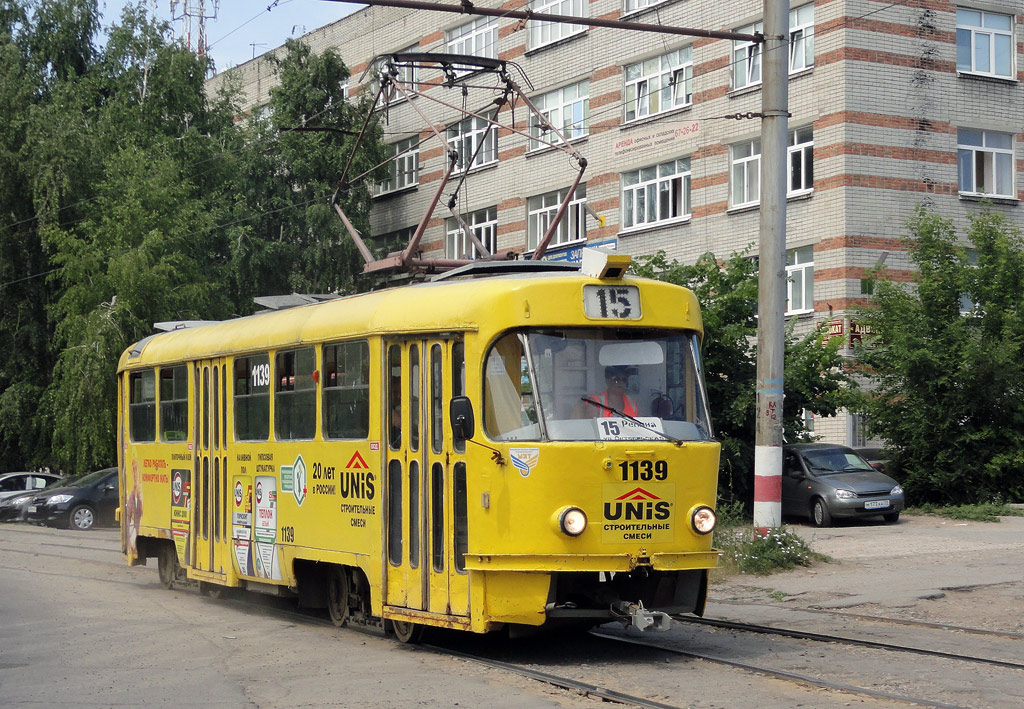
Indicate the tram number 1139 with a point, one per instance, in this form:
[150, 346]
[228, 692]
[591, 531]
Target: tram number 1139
[643, 470]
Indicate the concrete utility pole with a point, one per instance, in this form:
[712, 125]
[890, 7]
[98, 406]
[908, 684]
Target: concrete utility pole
[772, 267]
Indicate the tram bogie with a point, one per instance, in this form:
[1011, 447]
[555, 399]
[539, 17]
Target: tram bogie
[521, 450]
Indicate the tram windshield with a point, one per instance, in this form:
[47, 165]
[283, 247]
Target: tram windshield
[589, 384]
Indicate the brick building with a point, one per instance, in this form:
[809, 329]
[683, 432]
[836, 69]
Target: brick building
[893, 104]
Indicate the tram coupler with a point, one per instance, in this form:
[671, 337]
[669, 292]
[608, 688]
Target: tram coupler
[636, 616]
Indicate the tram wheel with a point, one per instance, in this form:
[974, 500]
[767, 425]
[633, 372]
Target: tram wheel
[167, 565]
[337, 596]
[407, 632]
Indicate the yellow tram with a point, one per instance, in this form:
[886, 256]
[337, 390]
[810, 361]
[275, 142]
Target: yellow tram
[483, 450]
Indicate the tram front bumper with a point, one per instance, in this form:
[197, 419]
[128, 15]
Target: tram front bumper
[679, 561]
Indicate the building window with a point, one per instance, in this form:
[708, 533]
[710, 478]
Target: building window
[985, 162]
[984, 43]
[801, 38]
[542, 33]
[404, 169]
[567, 109]
[746, 173]
[660, 84]
[466, 136]
[800, 280]
[801, 160]
[633, 5]
[746, 58]
[478, 38]
[484, 224]
[540, 211]
[383, 244]
[656, 194]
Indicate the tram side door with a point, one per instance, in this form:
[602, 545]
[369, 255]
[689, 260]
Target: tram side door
[210, 526]
[420, 504]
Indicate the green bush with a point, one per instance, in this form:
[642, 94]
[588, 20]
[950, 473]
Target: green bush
[985, 512]
[747, 552]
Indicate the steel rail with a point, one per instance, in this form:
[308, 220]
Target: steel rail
[886, 619]
[782, 674]
[839, 639]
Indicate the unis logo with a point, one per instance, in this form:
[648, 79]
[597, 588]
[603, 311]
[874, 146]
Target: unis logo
[357, 483]
[637, 504]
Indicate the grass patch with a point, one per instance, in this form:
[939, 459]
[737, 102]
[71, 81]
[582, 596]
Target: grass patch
[986, 512]
[746, 552]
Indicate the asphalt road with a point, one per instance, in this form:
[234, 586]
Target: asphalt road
[78, 628]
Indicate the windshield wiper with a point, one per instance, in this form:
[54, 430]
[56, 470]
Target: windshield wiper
[677, 441]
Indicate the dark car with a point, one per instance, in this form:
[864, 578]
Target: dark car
[80, 504]
[12, 484]
[825, 481]
[878, 457]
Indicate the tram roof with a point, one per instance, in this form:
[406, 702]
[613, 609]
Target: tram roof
[467, 305]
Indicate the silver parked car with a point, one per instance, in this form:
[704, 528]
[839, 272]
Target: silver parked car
[12, 484]
[825, 481]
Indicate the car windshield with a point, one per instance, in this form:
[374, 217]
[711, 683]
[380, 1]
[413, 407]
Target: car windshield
[588, 384]
[90, 479]
[836, 460]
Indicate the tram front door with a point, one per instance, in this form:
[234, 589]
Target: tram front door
[210, 528]
[425, 478]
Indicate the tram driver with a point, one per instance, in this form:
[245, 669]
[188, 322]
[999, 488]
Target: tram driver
[616, 378]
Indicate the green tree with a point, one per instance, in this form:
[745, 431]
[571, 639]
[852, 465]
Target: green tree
[816, 377]
[288, 237]
[948, 362]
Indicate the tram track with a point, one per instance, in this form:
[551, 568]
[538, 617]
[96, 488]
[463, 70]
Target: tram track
[887, 619]
[800, 678]
[843, 640]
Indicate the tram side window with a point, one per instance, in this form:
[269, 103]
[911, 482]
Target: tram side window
[346, 403]
[142, 406]
[509, 409]
[252, 398]
[173, 403]
[295, 395]
[459, 381]
[460, 525]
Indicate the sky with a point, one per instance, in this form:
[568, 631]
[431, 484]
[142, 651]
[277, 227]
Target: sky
[241, 24]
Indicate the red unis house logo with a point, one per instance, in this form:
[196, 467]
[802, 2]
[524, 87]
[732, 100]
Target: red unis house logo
[637, 504]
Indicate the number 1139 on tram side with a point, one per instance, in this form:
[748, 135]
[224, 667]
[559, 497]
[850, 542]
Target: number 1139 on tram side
[525, 449]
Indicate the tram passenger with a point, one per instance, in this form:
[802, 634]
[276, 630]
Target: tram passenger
[616, 380]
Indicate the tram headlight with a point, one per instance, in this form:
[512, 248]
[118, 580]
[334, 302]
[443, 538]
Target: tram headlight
[572, 521]
[703, 520]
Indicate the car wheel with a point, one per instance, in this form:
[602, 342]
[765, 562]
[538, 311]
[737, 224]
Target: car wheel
[892, 517]
[820, 514]
[81, 517]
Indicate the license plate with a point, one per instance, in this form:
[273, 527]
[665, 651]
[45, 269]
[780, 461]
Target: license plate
[876, 504]
[32, 508]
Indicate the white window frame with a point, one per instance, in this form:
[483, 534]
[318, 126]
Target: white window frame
[465, 136]
[629, 6]
[801, 38]
[978, 44]
[542, 34]
[478, 38]
[656, 194]
[800, 161]
[986, 155]
[567, 109]
[659, 84]
[746, 58]
[541, 210]
[483, 222]
[404, 168]
[745, 173]
[800, 279]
